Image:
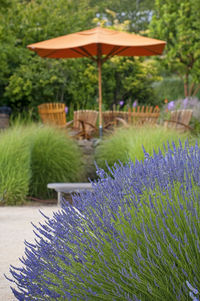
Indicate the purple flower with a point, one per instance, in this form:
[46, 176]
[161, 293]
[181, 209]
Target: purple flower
[66, 109]
[121, 103]
[170, 105]
[135, 103]
[185, 102]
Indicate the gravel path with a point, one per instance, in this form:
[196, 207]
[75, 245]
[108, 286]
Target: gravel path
[15, 227]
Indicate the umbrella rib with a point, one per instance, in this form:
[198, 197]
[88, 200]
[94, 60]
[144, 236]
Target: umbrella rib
[89, 54]
[155, 52]
[116, 50]
[84, 52]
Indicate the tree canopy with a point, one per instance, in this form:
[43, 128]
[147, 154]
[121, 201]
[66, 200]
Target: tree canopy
[178, 23]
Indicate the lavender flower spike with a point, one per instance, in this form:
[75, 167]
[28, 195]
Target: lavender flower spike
[121, 103]
[170, 105]
[194, 290]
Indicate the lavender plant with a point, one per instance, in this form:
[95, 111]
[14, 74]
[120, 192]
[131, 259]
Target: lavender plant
[135, 237]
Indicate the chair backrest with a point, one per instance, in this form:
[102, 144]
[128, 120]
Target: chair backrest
[110, 116]
[144, 114]
[53, 113]
[88, 117]
[180, 119]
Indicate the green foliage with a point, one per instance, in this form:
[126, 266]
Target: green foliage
[195, 125]
[128, 144]
[33, 155]
[136, 14]
[128, 79]
[170, 88]
[76, 81]
[15, 172]
[182, 54]
[33, 84]
[29, 22]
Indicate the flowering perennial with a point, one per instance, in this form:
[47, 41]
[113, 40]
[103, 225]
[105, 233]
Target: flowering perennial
[135, 237]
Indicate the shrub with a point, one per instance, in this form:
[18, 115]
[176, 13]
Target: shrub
[54, 158]
[32, 156]
[128, 144]
[15, 170]
[135, 237]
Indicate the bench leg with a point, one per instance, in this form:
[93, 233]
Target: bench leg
[59, 198]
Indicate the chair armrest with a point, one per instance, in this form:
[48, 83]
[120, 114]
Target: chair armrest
[69, 123]
[83, 122]
[124, 123]
[180, 123]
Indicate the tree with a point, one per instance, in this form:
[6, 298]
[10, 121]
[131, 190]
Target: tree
[178, 23]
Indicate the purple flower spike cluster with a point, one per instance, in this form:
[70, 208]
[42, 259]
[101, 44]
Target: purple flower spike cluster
[66, 109]
[121, 103]
[135, 237]
[171, 105]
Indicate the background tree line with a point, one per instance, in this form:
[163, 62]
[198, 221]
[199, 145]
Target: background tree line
[27, 80]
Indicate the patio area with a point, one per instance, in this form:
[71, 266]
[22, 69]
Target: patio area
[15, 225]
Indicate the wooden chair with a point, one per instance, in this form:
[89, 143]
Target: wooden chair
[113, 118]
[83, 126]
[53, 114]
[144, 115]
[139, 116]
[179, 120]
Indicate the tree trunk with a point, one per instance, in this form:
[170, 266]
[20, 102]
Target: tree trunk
[191, 88]
[196, 90]
[186, 84]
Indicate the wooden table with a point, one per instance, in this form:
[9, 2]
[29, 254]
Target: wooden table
[61, 188]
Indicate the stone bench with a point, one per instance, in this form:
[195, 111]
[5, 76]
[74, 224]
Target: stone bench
[61, 188]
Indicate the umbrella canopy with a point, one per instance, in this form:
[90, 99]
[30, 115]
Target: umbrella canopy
[99, 44]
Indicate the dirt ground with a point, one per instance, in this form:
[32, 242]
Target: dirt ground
[15, 227]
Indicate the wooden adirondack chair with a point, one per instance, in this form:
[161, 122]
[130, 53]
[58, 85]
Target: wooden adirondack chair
[179, 120]
[53, 114]
[112, 118]
[143, 115]
[138, 116]
[83, 126]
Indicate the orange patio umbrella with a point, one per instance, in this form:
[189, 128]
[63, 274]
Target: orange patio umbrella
[98, 44]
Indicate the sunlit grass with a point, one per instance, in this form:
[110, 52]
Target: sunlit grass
[127, 144]
[33, 155]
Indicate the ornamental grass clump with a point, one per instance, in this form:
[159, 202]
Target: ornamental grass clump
[33, 155]
[15, 173]
[135, 237]
[127, 144]
[55, 157]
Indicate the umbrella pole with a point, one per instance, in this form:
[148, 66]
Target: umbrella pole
[100, 99]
